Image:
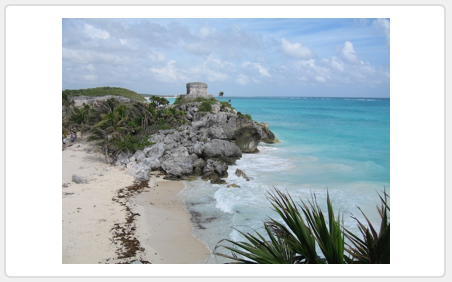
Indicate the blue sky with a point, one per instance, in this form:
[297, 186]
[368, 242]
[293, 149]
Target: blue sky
[241, 57]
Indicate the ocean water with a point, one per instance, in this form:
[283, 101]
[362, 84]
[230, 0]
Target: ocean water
[339, 145]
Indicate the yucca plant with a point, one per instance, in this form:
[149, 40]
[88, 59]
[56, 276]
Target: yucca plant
[373, 247]
[296, 239]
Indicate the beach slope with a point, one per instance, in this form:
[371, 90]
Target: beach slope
[95, 211]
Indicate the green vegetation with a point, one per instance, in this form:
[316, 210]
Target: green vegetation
[178, 101]
[303, 231]
[226, 106]
[205, 106]
[247, 116]
[104, 91]
[158, 101]
[121, 127]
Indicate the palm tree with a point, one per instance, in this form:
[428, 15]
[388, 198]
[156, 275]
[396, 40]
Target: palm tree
[157, 101]
[145, 112]
[80, 117]
[100, 137]
[296, 240]
[221, 94]
[114, 121]
[107, 106]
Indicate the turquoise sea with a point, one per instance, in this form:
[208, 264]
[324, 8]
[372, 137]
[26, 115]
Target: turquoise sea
[337, 144]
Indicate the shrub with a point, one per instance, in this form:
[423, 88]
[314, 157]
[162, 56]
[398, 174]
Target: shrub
[206, 106]
[247, 116]
[131, 143]
[296, 240]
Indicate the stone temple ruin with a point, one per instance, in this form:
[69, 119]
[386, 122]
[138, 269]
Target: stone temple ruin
[196, 90]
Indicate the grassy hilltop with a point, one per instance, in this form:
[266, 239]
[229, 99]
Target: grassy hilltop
[103, 91]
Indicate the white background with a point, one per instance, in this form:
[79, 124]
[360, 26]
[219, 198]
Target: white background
[33, 156]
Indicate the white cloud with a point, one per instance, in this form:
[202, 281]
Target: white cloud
[262, 71]
[212, 69]
[242, 79]
[245, 64]
[90, 77]
[216, 76]
[296, 50]
[384, 26]
[335, 63]
[168, 73]
[206, 31]
[348, 53]
[156, 56]
[93, 32]
[305, 63]
[320, 79]
[197, 49]
[123, 41]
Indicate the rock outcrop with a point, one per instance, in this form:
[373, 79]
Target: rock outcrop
[203, 147]
[90, 100]
[77, 179]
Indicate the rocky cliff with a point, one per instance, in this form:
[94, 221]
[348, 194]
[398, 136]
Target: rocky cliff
[91, 100]
[205, 146]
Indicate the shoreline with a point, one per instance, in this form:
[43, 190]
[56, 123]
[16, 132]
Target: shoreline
[97, 213]
[161, 213]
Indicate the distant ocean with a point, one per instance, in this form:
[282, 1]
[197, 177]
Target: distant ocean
[335, 144]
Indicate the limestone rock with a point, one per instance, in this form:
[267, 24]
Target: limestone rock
[77, 179]
[140, 171]
[247, 139]
[138, 156]
[178, 166]
[221, 149]
[151, 163]
[155, 151]
[220, 168]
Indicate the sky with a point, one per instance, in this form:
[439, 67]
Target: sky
[240, 57]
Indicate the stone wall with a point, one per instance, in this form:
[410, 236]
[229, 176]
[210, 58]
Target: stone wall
[196, 90]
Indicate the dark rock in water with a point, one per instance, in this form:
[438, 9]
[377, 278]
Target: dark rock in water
[218, 181]
[197, 171]
[213, 177]
[221, 149]
[216, 166]
[240, 173]
[77, 179]
[209, 176]
[199, 165]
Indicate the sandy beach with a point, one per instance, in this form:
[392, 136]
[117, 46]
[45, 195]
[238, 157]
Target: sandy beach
[111, 219]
